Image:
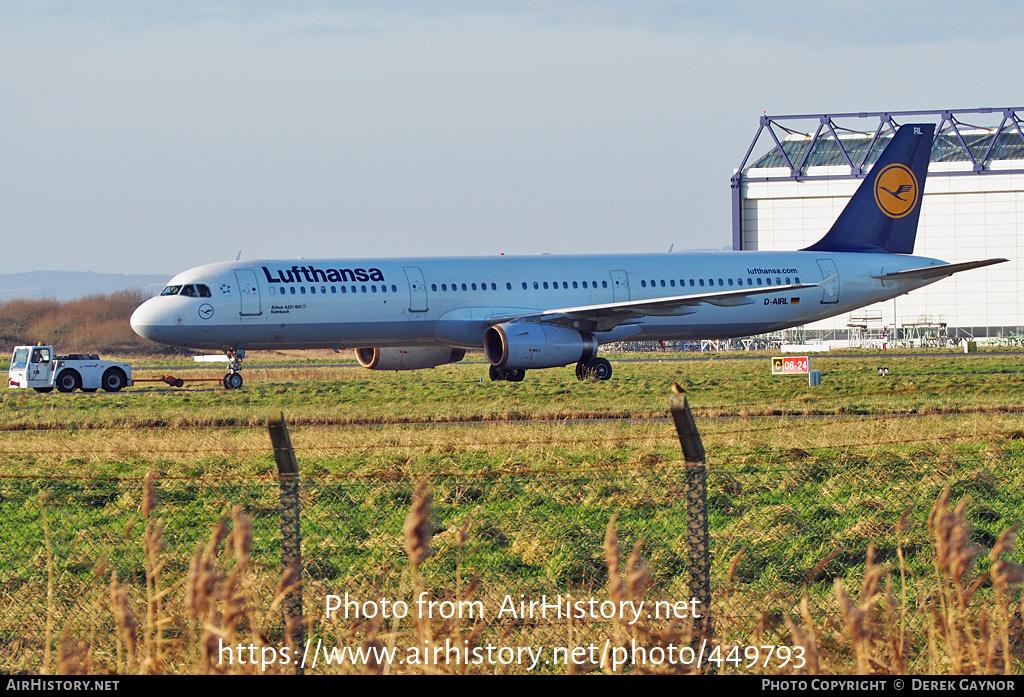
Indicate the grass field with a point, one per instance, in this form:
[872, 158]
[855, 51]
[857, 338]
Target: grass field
[525, 478]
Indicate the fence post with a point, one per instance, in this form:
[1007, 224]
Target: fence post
[698, 548]
[291, 538]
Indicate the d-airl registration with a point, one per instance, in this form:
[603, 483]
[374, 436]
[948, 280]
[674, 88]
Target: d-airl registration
[530, 312]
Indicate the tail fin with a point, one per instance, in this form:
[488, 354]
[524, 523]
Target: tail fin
[882, 215]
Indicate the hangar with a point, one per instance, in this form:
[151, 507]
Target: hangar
[973, 208]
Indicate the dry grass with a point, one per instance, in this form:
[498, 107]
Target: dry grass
[499, 447]
[962, 620]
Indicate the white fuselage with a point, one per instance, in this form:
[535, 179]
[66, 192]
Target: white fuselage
[451, 301]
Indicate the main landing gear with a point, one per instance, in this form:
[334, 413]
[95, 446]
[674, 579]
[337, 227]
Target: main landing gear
[233, 380]
[594, 369]
[510, 375]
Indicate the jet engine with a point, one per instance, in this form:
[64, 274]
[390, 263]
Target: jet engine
[412, 358]
[532, 345]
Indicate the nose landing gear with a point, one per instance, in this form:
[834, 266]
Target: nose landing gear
[233, 380]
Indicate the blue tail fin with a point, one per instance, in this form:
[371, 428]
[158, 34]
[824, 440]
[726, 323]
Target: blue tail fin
[882, 215]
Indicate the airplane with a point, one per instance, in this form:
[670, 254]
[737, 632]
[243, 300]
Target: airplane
[531, 312]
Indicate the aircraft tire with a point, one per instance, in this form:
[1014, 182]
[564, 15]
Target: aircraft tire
[600, 369]
[582, 372]
[495, 373]
[233, 381]
[68, 381]
[515, 374]
[114, 380]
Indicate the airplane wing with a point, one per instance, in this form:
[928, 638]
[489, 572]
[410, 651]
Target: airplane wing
[606, 316]
[940, 271]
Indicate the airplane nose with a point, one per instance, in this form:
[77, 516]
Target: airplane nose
[145, 320]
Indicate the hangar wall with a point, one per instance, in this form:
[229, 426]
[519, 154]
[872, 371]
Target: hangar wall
[968, 212]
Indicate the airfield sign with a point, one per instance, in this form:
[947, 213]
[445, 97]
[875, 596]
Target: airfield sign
[791, 365]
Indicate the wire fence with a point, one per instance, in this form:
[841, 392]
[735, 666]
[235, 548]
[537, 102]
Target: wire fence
[192, 575]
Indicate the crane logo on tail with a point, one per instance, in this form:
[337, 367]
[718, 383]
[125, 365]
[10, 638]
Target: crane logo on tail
[896, 190]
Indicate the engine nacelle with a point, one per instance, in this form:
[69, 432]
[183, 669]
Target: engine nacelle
[412, 358]
[531, 345]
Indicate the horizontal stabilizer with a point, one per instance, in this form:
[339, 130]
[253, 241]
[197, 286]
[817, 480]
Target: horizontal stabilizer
[940, 271]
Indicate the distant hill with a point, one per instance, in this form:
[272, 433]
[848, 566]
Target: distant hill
[72, 285]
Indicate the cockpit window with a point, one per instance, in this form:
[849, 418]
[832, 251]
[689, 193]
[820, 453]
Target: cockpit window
[189, 291]
[204, 291]
[170, 290]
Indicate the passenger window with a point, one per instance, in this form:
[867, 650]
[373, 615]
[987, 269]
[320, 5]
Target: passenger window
[312, 289]
[604, 284]
[643, 284]
[494, 286]
[702, 283]
[433, 287]
[663, 283]
[545, 285]
[302, 289]
[584, 284]
[394, 288]
[575, 285]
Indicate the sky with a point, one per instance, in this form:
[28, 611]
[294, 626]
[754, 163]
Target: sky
[152, 136]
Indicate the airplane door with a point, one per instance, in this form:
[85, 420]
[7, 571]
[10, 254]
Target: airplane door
[830, 290]
[249, 292]
[417, 289]
[620, 286]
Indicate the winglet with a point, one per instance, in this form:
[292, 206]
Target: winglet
[882, 215]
